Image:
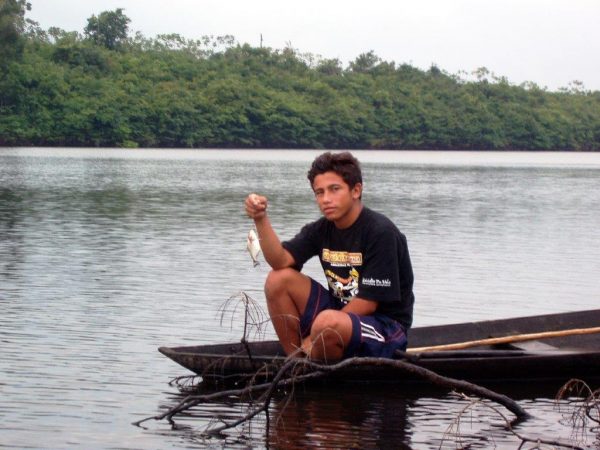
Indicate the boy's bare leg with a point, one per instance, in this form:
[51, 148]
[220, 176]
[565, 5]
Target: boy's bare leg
[287, 292]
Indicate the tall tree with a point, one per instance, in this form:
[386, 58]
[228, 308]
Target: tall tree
[108, 29]
[12, 26]
[365, 62]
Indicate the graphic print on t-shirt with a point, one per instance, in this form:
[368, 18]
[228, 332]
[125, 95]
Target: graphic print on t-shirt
[342, 277]
[341, 259]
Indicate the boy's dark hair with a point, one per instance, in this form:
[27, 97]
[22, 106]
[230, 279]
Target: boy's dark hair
[344, 164]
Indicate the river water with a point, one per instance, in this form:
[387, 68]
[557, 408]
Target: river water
[106, 254]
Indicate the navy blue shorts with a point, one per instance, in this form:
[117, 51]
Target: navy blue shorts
[375, 335]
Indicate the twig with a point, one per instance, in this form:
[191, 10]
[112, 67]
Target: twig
[474, 402]
[586, 401]
[185, 382]
[254, 316]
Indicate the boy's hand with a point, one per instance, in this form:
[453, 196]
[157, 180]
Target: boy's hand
[256, 206]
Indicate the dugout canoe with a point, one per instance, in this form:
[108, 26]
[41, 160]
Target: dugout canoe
[545, 347]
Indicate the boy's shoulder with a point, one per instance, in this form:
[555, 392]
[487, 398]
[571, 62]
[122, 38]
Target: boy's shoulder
[377, 219]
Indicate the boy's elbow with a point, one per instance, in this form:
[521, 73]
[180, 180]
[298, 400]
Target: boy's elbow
[283, 260]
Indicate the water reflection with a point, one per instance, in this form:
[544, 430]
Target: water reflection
[340, 417]
[12, 240]
[384, 416]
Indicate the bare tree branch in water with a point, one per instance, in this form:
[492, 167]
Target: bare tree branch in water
[527, 442]
[245, 392]
[584, 404]
[255, 318]
[297, 370]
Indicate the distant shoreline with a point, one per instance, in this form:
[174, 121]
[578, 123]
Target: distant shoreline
[234, 148]
[487, 158]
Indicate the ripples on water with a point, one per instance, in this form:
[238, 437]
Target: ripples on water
[106, 255]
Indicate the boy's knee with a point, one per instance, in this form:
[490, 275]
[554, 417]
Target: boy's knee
[330, 333]
[277, 280]
[329, 319]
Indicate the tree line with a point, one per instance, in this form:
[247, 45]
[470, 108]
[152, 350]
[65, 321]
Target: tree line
[106, 87]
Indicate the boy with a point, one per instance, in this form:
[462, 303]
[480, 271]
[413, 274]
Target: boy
[367, 308]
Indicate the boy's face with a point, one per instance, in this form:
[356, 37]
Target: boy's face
[336, 200]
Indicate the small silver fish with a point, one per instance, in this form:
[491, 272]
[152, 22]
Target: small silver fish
[253, 246]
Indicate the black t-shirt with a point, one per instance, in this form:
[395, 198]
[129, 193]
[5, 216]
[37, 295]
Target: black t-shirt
[369, 259]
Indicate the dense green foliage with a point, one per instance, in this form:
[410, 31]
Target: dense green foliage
[106, 89]
[12, 26]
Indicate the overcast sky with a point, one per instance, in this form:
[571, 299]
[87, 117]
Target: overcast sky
[549, 42]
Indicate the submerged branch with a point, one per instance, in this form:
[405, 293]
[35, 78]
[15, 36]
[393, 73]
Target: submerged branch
[298, 370]
[474, 402]
[430, 376]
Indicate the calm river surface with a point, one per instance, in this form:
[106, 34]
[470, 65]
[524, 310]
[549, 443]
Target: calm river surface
[107, 254]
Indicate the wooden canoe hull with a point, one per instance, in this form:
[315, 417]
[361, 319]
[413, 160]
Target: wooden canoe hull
[558, 358]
